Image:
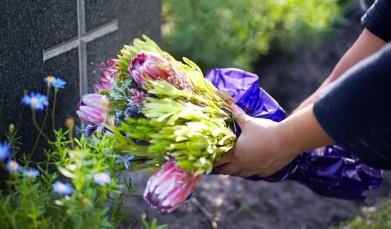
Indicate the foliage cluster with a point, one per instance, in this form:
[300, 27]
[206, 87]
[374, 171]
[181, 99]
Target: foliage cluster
[77, 186]
[230, 33]
[380, 218]
[30, 202]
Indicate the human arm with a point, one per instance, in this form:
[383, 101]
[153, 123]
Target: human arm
[355, 111]
[377, 32]
[366, 44]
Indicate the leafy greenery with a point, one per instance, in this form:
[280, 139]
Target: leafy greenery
[230, 33]
[76, 187]
[153, 224]
[379, 219]
[31, 203]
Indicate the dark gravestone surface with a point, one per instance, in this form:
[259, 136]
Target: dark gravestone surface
[69, 38]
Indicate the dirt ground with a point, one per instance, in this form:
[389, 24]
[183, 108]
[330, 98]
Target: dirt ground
[229, 202]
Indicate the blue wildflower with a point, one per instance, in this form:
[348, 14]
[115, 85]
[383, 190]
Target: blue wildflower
[133, 110]
[59, 83]
[30, 172]
[12, 166]
[102, 178]
[90, 129]
[118, 160]
[128, 161]
[61, 188]
[5, 151]
[119, 120]
[56, 82]
[36, 101]
[49, 80]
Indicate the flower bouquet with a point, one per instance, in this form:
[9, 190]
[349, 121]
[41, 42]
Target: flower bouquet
[163, 114]
[160, 110]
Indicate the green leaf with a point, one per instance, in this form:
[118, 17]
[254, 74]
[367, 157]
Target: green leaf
[66, 172]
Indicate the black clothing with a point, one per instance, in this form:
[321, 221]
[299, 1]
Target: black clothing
[378, 19]
[356, 109]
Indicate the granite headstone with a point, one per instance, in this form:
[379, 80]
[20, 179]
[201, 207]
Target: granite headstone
[68, 38]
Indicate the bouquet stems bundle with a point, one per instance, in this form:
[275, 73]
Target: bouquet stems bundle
[159, 109]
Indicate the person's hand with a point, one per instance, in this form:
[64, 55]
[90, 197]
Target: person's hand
[260, 149]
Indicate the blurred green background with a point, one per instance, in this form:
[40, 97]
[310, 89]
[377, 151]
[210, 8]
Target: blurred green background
[231, 33]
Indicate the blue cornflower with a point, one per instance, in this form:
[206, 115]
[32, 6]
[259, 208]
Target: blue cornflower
[36, 101]
[30, 172]
[5, 151]
[12, 166]
[102, 178]
[64, 189]
[59, 83]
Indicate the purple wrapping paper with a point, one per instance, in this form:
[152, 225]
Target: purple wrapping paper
[329, 171]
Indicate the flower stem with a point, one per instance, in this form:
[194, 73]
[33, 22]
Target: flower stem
[70, 135]
[54, 108]
[43, 124]
[35, 123]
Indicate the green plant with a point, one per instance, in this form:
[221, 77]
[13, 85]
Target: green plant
[86, 207]
[229, 33]
[77, 185]
[32, 201]
[377, 219]
[153, 224]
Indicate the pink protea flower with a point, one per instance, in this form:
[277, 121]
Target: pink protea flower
[169, 187]
[93, 109]
[107, 75]
[152, 66]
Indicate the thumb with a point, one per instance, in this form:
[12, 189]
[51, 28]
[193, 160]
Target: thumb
[239, 115]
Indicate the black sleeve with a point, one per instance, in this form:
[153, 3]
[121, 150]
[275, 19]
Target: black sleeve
[356, 109]
[378, 19]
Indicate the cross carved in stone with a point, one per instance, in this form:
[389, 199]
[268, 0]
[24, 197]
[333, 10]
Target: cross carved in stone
[80, 42]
